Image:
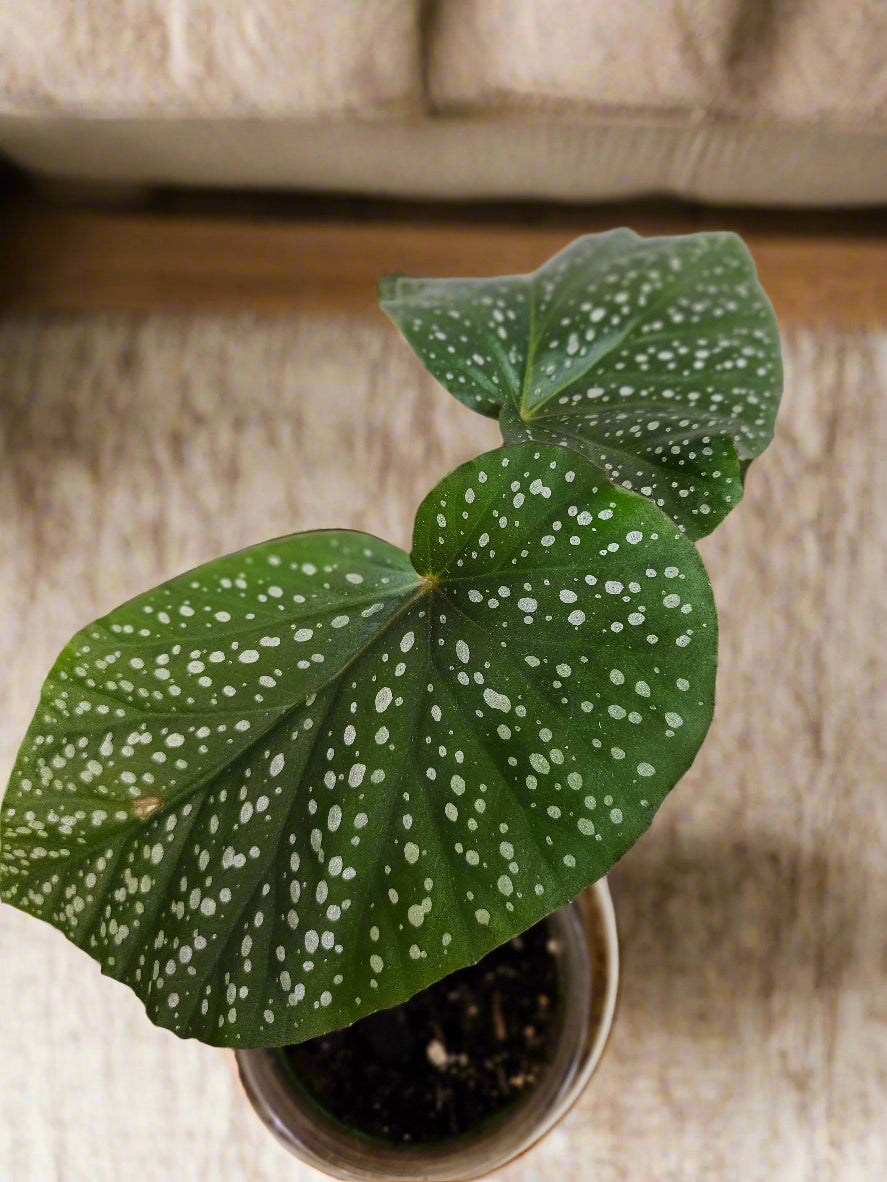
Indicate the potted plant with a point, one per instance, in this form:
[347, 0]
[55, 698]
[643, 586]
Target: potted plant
[288, 791]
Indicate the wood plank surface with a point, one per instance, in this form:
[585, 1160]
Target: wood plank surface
[216, 380]
[751, 1039]
[57, 259]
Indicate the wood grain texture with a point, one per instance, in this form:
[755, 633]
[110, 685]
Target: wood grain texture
[69, 260]
[751, 1039]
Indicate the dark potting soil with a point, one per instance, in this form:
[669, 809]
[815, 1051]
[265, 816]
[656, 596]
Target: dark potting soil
[450, 1057]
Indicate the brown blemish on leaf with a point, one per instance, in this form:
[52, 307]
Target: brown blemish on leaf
[146, 806]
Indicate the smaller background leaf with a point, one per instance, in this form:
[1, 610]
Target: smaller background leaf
[656, 359]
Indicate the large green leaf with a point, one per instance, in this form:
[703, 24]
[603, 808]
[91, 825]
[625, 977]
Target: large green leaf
[656, 358]
[304, 781]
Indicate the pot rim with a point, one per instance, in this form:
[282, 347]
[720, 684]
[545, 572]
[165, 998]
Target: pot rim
[591, 964]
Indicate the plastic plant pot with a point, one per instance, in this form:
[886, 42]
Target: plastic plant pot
[584, 934]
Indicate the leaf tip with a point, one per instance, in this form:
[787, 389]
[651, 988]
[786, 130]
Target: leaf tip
[386, 287]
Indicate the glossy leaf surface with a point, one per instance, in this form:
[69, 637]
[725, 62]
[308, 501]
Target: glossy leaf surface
[304, 781]
[657, 359]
